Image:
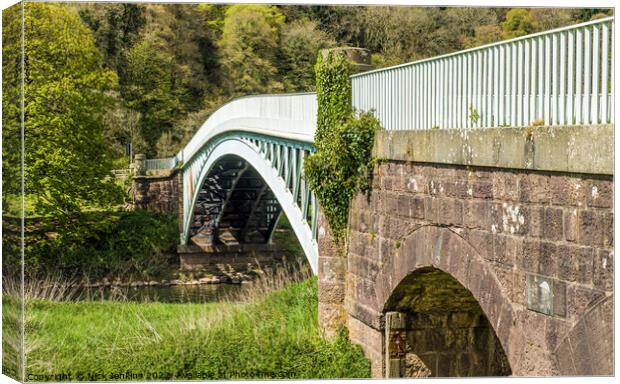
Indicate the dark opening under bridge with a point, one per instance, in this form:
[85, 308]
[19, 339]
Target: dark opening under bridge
[485, 246]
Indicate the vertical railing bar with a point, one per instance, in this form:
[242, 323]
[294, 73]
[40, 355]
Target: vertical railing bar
[440, 97]
[604, 72]
[547, 93]
[586, 76]
[432, 90]
[579, 68]
[555, 77]
[612, 71]
[502, 89]
[513, 87]
[468, 87]
[595, 73]
[526, 82]
[482, 111]
[427, 94]
[562, 91]
[461, 85]
[540, 79]
[516, 84]
[570, 97]
[488, 68]
[519, 121]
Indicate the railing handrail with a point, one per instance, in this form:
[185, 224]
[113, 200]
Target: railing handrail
[251, 121]
[486, 46]
[559, 77]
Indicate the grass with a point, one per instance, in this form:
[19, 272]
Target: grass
[270, 330]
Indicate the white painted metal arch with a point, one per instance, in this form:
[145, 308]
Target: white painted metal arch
[286, 116]
[273, 133]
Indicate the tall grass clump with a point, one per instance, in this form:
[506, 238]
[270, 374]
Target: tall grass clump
[267, 330]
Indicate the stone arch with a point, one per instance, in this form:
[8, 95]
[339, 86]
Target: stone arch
[440, 248]
[588, 347]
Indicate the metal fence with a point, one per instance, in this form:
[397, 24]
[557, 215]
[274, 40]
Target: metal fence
[558, 77]
[165, 163]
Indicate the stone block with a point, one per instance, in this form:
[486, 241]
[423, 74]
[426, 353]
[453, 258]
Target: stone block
[579, 298]
[583, 264]
[482, 189]
[599, 193]
[547, 259]
[571, 224]
[536, 220]
[450, 212]
[530, 256]
[331, 293]
[591, 227]
[506, 186]
[553, 225]
[457, 188]
[559, 298]
[534, 188]
[506, 249]
[476, 214]
[565, 263]
[603, 270]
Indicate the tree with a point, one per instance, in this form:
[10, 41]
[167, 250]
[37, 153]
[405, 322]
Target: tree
[300, 43]
[115, 29]
[484, 34]
[519, 22]
[248, 48]
[150, 89]
[11, 110]
[66, 164]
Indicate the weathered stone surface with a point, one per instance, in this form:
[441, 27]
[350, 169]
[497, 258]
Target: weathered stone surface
[577, 149]
[487, 228]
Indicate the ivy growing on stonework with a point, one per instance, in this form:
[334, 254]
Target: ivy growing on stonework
[342, 164]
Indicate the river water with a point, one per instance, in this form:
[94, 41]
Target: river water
[202, 293]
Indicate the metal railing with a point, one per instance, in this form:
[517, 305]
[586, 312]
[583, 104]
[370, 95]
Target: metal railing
[559, 77]
[289, 116]
[165, 163]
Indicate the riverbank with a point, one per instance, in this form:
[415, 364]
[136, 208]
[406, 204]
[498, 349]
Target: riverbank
[270, 331]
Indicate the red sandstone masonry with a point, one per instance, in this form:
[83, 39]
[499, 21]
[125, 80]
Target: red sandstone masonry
[552, 224]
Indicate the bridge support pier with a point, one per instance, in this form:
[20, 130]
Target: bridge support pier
[331, 271]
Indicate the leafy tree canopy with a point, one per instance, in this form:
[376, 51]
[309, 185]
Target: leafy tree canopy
[67, 165]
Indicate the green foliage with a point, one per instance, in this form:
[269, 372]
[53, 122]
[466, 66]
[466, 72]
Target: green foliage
[519, 22]
[333, 93]
[301, 40]
[11, 111]
[151, 90]
[249, 42]
[206, 54]
[474, 117]
[274, 337]
[484, 34]
[66, 164]
[96, 244]
[342, 164]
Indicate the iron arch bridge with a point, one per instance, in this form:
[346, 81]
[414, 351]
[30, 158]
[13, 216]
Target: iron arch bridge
[244, 168]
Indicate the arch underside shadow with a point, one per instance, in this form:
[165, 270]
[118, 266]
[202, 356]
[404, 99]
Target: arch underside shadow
[431, 253]
[445, 332]
[235, 191]
[234, 205]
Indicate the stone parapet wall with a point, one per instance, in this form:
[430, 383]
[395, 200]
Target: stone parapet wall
[574, 149]
[515, 223]
[160, 193]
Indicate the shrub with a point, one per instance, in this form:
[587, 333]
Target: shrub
[99, 244]
[342, 164]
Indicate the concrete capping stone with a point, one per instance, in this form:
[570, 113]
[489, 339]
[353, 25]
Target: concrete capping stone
[575, 149]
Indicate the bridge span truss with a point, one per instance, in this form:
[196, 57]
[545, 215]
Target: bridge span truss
[236, 187]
